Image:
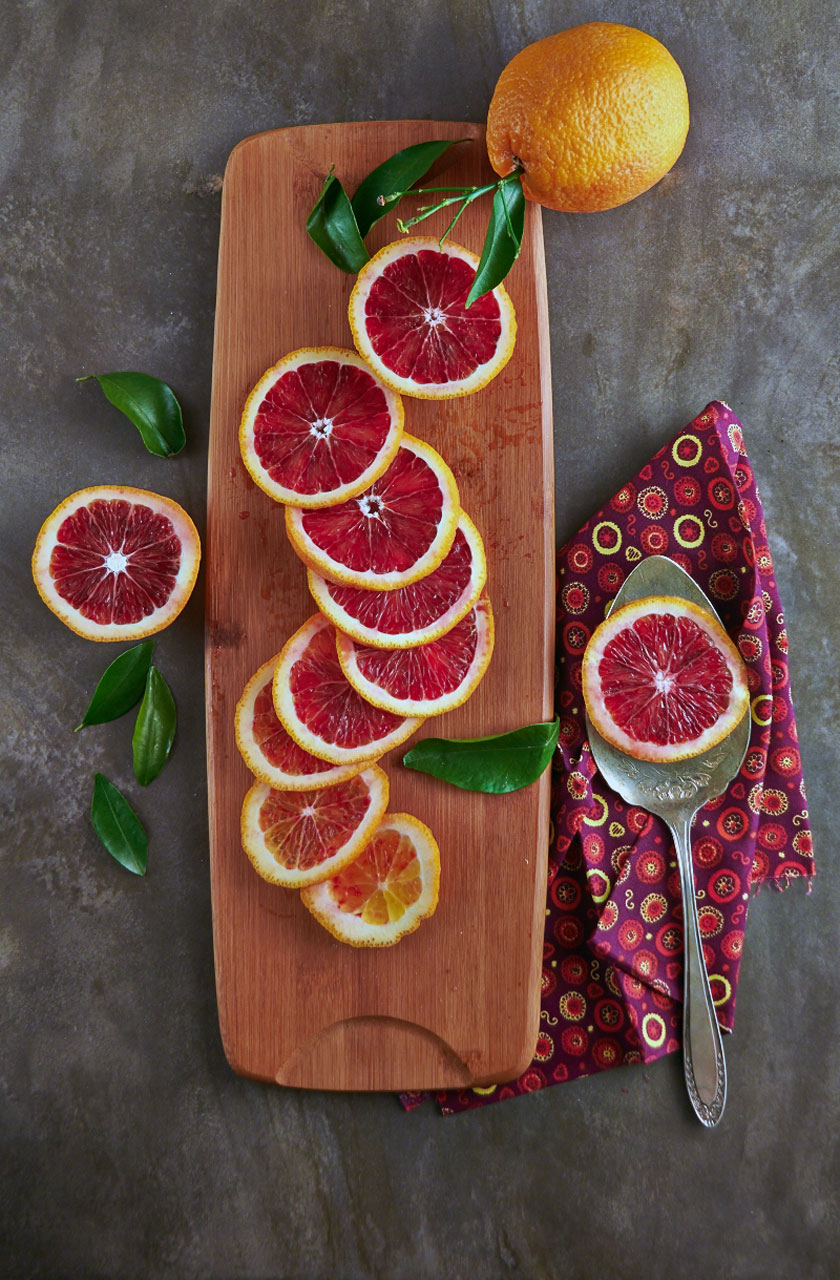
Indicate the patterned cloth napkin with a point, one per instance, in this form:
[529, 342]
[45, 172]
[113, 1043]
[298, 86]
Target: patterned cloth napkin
[612, 958]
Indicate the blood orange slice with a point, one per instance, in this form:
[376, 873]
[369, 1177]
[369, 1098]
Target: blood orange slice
[268, 750]
[429, 679]
[662, 680]
[397, 531]
[116, 563]
[415, 614]
[319, 427]
[321, 710]
[410, 321]
[386, 891]
[295, 838]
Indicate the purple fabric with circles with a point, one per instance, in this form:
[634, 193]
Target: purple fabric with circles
[612, 966]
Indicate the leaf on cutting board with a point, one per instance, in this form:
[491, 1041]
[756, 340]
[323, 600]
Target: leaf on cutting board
[120, 686]
[501, 763]
[154, 730]
[332, 225]
[150, 404]
[392, 179]
[118, 826]
[503, 240]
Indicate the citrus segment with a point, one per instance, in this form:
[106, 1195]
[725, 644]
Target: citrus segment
[426, 680]
[321, 710]
[415, 614]
[116, 563]
[662, 680]
[410, 321]
[296, 838]
[267, 749]
[397, 531]
[386, 891]
[319, 427]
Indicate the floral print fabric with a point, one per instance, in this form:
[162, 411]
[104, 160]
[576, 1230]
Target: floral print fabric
[612, 960]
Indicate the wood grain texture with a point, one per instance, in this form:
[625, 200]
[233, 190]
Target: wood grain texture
[457, 1002]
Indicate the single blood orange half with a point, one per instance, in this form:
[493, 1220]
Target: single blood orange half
[412, 615]
[386, 891]
[411, 323]
[319, 427]
[295, 838]
[321, 710]
[397, 531]
[269, 752]
[429, 679]
[116, 563]
[662, 680]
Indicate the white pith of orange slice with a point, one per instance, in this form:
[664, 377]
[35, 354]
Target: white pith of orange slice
[362, 542]
[432, 605]
[434, 329]
[269, 751]
[426, 680]
[297, 838]
[113, 550]
[385, 892]
[664, 668]
[321, 710]
[314, 431]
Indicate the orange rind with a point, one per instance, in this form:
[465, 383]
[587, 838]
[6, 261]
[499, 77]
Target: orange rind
[297, 838]
[662, 681]
[397, 531]
[426, 680]
[417, 614]
[410, 323]
[116, 563]
[386, 892]
[269, 751]
[319, 427]
[321, 710]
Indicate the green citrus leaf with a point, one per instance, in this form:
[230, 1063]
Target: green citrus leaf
[332, 225]
[118, 826]
[150, 404]
[391, 179]
[503, 240]
[154, 730]
[498, 764]
[120, 686]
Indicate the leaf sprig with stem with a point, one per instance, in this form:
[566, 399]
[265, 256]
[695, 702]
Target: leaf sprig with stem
[338, 224]
[460, 195]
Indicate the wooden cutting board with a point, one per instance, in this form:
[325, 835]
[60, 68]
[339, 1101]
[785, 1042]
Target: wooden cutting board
[457, 1002]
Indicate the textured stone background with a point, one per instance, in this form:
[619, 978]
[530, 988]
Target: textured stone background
[128, 1148]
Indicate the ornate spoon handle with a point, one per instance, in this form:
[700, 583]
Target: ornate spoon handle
[705, 1068]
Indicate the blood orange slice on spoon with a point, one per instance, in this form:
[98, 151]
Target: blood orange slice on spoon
[397, 531]
[296, 838]
[662, 680]
[321, 710]
[319, 427]
[386, 891]
[411, 323]
[415, 614]
[266, 747]
[426, 680]
[116, 563]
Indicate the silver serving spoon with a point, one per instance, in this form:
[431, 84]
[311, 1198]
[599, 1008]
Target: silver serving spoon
[674, 791]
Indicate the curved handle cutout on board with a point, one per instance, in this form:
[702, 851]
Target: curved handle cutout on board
[378, 1052]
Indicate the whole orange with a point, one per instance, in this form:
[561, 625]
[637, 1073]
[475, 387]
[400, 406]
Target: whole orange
[593, 116]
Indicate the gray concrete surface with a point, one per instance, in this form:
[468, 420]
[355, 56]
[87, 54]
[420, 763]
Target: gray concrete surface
[127, 1147]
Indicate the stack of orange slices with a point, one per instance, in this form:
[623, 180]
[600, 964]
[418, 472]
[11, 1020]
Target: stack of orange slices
[404, 628]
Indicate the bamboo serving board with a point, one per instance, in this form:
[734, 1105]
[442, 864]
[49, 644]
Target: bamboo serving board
[457, 1002]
